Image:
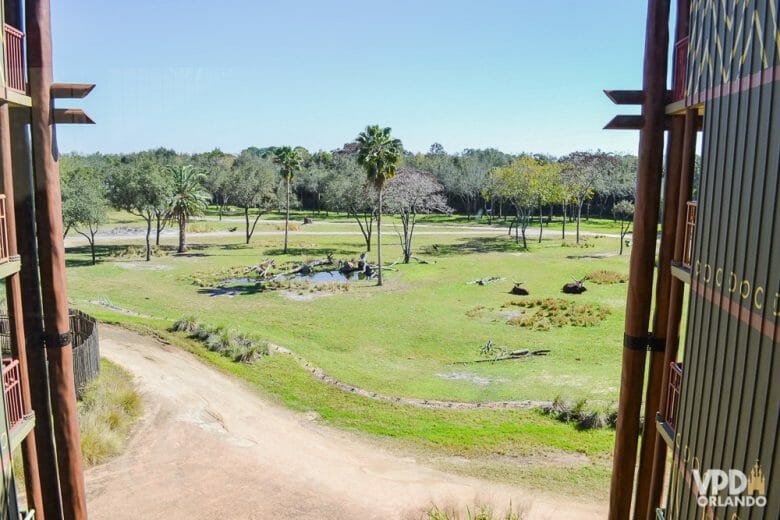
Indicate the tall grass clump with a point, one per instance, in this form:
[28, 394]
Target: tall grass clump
[108, 407]
[238, 347]
[477, 512]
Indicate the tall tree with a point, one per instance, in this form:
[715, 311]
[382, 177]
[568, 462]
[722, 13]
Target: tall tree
[543, 182]
[83, 204]
[410, 193]
[513, 184]
[379, 154]
[624, 210]
[138, 188]
[289, 161]
[188, 198]
[251, 186]
[583, 173]
[348, 189]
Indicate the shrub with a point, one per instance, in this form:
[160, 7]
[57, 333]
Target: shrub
[237, 347]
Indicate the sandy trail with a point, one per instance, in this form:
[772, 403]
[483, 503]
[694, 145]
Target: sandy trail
[209, 447]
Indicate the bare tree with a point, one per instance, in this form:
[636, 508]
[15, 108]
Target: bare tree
[410, 193]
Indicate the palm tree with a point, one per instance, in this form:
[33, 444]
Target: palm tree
[379, 154]
[289, 161]
[188, 198]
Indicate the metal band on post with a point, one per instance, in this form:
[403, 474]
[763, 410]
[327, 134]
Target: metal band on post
[58, 340]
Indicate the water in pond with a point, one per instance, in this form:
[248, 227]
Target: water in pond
[323, 277]
[317, 277]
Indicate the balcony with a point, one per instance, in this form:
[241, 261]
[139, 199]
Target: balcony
[680, 69]
[19, 424]
[14, 60]
[5, 254]
[12, 391]
[673, 394]
[666, 423]
[690, 228]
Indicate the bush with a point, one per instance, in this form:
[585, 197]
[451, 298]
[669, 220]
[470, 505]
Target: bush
[237, 347]
[583, 417]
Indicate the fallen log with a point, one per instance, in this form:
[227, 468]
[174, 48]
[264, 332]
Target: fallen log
[307, 267]
[486, 281]
[515, 354]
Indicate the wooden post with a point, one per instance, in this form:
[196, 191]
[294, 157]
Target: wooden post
[655, 489]
[656, 367]
[51, 247]
[32, 312]
[640, 283]
[13, 291]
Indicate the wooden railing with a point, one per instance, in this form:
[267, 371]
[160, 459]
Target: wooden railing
[680, 69]
[673, 394]
[4, 252]
[14, 59]
[13, 392]
[690, 229]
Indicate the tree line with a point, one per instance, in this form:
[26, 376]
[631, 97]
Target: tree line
[361, 179]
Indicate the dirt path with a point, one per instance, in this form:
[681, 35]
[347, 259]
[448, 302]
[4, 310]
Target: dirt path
[208, 447]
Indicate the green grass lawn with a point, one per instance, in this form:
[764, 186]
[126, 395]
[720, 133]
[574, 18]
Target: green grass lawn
[405, 339]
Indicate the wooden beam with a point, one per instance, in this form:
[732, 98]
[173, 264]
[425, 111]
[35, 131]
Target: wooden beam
[626, 123]
[626, 97]
[71, 90]
[71, 116]
[641, 269]
[51, 261]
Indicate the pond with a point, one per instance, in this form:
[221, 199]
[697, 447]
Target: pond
[317, 277]
[324, 276]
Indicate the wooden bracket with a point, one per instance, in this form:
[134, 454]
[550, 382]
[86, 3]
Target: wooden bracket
[71, 90]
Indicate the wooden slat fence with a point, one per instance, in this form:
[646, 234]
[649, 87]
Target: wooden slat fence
[86, 346]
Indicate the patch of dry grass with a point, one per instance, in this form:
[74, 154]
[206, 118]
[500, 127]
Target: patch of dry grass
[606, 277]
[107, 409]
[546, 313]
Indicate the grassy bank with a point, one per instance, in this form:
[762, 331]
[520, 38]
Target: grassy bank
[107, 410]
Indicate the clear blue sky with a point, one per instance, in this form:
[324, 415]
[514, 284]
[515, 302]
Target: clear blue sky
[518, 75]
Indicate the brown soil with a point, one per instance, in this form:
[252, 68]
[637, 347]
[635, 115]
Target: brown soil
[209, 447]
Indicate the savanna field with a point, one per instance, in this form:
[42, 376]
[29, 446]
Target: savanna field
[419, 337]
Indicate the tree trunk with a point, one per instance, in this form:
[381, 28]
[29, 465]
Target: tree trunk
[158, 229]
[541, 227]
[92, 248]
[621, 237]
[379, 237]
[182, 234]
[287, 217]
[148, 235]
[579, 216]
[563, 227]
[246, 219]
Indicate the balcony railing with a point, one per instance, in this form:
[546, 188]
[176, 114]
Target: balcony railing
[690, 228]
[13, 392]
[680, 69]
[4, 253]
[14, 59]
[673, 394]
